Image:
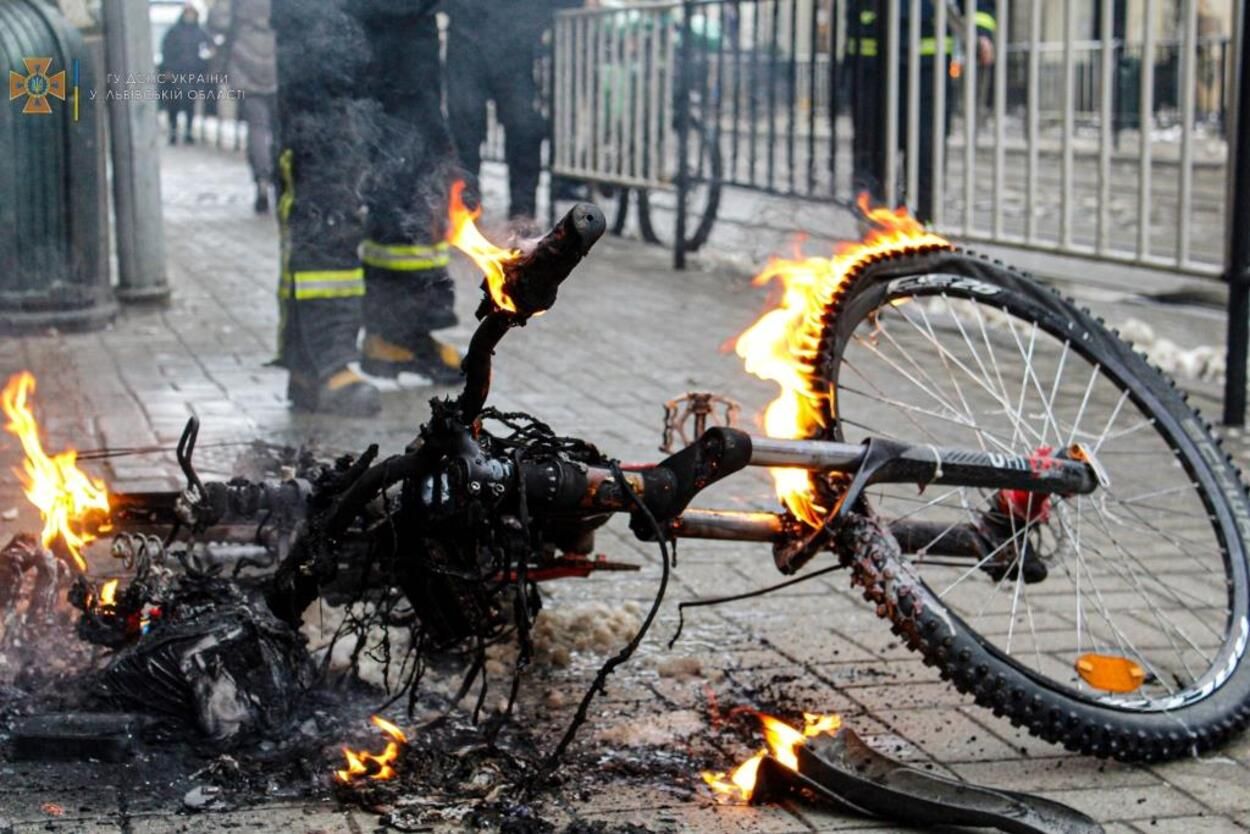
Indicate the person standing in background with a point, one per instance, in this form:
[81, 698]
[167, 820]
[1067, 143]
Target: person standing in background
[866, 51]
[365, 167]
[1212, 49]
[184, 63]
[492, 49]
[248, 57]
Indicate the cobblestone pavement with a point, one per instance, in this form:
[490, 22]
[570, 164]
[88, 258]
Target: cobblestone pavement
[628, 334]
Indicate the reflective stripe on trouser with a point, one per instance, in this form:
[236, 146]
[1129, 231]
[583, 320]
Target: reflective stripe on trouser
[326, 283]
[867, 47]
[403, 257]
[321, 284]
[404, 305]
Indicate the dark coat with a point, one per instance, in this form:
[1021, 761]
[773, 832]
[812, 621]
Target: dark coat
[180, 50]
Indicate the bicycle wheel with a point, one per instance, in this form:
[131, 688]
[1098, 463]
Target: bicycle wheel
[1113, 623]
[706, 168]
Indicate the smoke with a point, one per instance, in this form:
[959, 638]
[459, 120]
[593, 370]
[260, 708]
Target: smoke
[323, 52]
[361, 101]
[381, 9]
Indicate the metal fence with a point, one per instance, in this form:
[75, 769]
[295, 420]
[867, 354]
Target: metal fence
[612, 95]
[1212, 68]
[1044, 148]
[750, 78]
[1073, 189]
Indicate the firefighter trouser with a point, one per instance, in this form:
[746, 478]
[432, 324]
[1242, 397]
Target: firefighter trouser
[363, 173]
[477, 73]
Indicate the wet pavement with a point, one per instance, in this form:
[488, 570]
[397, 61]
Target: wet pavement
[627, 334]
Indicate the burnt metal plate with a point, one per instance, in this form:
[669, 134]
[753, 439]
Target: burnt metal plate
[76, 736]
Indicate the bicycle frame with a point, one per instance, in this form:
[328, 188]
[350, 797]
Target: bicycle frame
[459, 465]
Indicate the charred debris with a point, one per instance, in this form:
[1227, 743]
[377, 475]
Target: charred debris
[196, 647]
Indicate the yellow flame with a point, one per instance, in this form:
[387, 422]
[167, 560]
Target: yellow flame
[108, 594]
[491, 259]
[375, 766]
[390, 729]
[783, 741]
[783, 345]
[738, 784]
[63, 493]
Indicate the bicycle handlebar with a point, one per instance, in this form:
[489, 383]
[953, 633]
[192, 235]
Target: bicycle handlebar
[531, 282]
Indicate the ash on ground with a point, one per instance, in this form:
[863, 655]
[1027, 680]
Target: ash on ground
[208, 674]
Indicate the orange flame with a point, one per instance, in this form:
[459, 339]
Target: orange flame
[782, 740]
[782, 346]
[491, 259]
[62, 492]
[376, 766]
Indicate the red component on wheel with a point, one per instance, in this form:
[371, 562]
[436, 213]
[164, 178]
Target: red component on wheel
[1025, 506]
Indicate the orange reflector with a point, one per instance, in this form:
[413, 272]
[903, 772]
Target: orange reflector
[1110, 673]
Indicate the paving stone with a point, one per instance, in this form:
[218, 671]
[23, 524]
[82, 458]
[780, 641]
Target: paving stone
[314, 820]
[915, 695]
[1020, 740]
[1048, 774]
[821, 820]
[98, 825]
[631, 799]
[1219, 782]
[947, 735]
[49, 801]
[1207, 824]
[708, 817]
[1128, 803]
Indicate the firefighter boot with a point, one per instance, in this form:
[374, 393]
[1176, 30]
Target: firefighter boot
[431, 358]
[410, 295]
[345, 394]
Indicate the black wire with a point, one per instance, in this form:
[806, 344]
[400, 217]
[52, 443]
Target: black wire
[128, 451]
[702, 603]
[520, 601]
[553, 759]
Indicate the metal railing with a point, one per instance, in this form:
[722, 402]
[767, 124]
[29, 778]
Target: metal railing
[1210, 81]
[1055, 172]
[612, 95]
[754, 79]
[1046, 148]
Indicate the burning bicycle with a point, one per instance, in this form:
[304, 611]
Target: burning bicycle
[967, 443]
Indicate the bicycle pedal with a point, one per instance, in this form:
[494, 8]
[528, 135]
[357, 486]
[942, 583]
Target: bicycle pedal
[705, 410]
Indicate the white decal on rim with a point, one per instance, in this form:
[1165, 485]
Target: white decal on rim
[942, 280]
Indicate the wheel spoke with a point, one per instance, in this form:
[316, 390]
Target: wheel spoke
[1133, 571]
